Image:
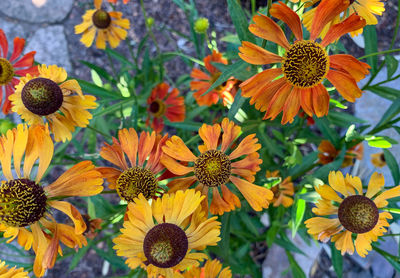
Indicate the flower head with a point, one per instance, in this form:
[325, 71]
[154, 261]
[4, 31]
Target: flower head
[7, 272]
[367, 9]
[378, 160]
[351, 211]
[203, 80]
[304, 66]
[201, 25]
[218, 164]
[328, 153]
[164, 103]
[211, 269]
[12, 67]
[26, 204]
[283, 192]
[162, 237]
[144, 170]
[109, 26]
[43, 97]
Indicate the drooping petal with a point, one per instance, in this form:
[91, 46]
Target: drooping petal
[291, 106]
[287, 15]
[358, 70]
[72, 213]
[381, 202]
[352, 23]
[174, 166]
[278, 101]
[344, 84]
[256, 55]
[320, 100]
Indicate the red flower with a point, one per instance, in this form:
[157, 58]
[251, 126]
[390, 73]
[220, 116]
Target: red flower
[12, 67]
[164, 103]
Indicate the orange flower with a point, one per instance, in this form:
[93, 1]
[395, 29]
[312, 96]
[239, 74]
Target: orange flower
[328, 153]
[217, 164]
[283, 192]
[304, 66]
[144, 171]
[9, 68]
[202, 81]
[115, 1]
[211, 269]
[164, 103]
[25, 212]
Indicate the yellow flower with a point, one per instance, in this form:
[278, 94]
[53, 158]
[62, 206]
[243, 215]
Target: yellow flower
[378, 160]
[351, 212]
[50, 96]
[211, 269]
[367, 9]
[6, 272]
[25, 212]
[283, 192]
[109, 26]
[162, 237]
[220, 162]
[144, 170]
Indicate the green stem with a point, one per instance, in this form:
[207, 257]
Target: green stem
[99, 131]
[269, 4]
[112, 66]
[379, 53]
[396, 29]
[253, 6]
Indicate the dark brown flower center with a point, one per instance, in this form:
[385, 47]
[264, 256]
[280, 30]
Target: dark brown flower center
[157, 108]
[22, 202]
[358, 214]
[351, 1]
[101, 19]
[42, 96]
[305, 64]
[6, 71]
[134, 181]
[165, 245]
[212, 168]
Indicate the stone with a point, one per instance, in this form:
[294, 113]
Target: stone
[49, 11]
[51, 47]
[371, 108]
[13, 29]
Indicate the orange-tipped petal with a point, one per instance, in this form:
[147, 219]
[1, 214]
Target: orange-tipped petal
[254, 86]
[175, 167]
[278, 101]
[258, 197]
[218, 205]
[345, 85]
[72, 212]
[231, 132]
[114, 154]
[256, 55]
[292, 106]
[326, 11]
[357, 69]
[230, 198]
[247, 146]
[210, 135]
[320, 100]
[110, 174]
[267, 29]
[129, 144]
[146, 144]
[176, 148]
[287, 15]
[181, 184]
[352, 23]
[306, 101]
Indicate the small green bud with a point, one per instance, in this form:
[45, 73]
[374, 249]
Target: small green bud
[150, 22]
[201, 25]
[107, 86]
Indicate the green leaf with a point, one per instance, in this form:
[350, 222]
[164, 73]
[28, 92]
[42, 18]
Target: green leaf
[122, 59]
[225, 234]
[393, 166]
[298, 211]
[378, 142]
[287, 244]
[240, 21]
[393, 260]
[186, 125]
[92, 89]
[230, 71]
[337, 261]
[248, 223]
[166, 56]
[390, 113]
[385, 92]
[295, 268]
[236, 105]
[391, 64]
[343, 119]
[272, 232]
[371, 46]
[100, 71]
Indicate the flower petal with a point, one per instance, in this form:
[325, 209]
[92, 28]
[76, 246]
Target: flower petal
[344, 84]
[358, 70]
[256, 55]
[176, 148]
[267, 29]
[352, 23]
[287, 15]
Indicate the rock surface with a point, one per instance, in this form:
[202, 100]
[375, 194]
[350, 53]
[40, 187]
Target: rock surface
[50, 11]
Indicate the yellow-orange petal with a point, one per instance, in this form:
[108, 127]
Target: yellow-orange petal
[336, 181]
[181, 184]
[255, 85]
[210, 135]
[267, 29]
[218, 205]
[114, 154]
[258, 197]
[72, 212]
[381, 202]
[352, 23]
[278, 101]
[175, 167]
[256, 55]
[146, 144]
[247, 146]
[287, 15]
[326, 11]
[344, 242]
[129, 144]
[110, 174]
[363, 244]
[229, 197]
[176, 148]
[327, 192]
[376, 183]
[231, 132]
[344, 84]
